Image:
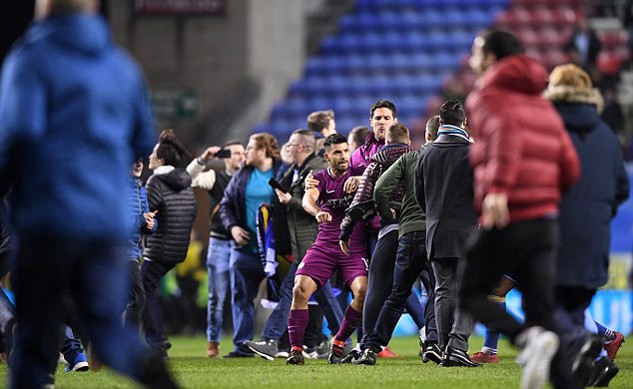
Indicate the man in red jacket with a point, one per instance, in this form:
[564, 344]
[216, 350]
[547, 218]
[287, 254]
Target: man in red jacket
[523, 160]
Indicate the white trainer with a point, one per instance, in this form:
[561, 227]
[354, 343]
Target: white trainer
[538, 347]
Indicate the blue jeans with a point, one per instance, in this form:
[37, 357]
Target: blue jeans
[71, 346]
[218, 259]
[278, 320]
[94, 273]
[246, 276]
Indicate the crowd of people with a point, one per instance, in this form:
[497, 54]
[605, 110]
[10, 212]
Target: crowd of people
[514, 190]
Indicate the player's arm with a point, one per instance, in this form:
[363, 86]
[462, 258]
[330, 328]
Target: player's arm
[310, 205]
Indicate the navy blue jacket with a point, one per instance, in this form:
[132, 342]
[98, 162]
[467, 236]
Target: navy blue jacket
[74, 116]
[586, 210]
[233, 205]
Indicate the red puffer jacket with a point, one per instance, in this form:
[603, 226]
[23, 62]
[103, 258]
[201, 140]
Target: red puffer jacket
[521, 146]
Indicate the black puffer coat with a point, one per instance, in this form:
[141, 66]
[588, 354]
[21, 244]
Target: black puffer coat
[171, 194]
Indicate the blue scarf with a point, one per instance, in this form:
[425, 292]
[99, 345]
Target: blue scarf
[448, 129]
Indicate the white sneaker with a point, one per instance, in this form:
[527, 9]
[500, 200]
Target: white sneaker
[538, 347]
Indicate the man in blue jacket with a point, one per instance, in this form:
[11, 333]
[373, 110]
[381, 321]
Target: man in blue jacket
[143, 222]
[74, 116]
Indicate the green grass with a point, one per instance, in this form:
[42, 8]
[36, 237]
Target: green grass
[194, 370]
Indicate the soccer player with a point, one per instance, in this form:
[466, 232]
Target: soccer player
[327, 202]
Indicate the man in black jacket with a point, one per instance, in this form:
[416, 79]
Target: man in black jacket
[444, 190]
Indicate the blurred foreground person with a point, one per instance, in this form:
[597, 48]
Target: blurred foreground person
[585, 222]
[74, 118]
[523, 160]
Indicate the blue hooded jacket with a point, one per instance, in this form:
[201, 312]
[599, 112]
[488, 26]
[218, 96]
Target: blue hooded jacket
[74, 115]
[140, 206]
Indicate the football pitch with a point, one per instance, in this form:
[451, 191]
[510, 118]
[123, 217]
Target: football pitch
[193, 369]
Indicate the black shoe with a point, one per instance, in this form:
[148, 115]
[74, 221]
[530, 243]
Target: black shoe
[337, 351]
[432, 352]
[584, 361]
[602, 372]
[367, 357]
[295, 358]
[351, 357]
[238, 354]
[454, 357]
[155, 373]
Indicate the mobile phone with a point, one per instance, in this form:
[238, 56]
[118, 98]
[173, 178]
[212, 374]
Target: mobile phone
[275, 184]
[224, 153]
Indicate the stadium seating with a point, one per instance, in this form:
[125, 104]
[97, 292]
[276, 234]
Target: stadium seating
[403, 50]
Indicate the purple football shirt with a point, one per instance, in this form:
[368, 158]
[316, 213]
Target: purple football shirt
[334, 200]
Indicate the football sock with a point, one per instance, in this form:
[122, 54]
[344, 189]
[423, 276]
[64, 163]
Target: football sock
[297, 322]
[349, 324]
[491, 339]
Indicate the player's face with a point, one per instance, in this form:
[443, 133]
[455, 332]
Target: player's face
[380, 121]
[338, 157]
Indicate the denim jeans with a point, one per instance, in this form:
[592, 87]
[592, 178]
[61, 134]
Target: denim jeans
[71, 347]
[246, 276]
[152, 273]
[94, 274]
[218, 259]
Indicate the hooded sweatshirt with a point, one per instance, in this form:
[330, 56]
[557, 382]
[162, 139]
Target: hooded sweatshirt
[521, 147]
[74, 115]
[169, 191]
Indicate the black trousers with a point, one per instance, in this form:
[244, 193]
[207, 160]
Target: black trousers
[527, 250]
[136, 297]
[410, 262]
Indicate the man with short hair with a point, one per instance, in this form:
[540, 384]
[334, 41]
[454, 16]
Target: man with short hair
[322, 123]
[357, 137]
[326, 203]
[219, 252]
[523, 161]
[382, 114]
[75, 116]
